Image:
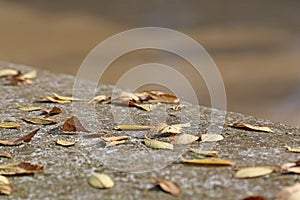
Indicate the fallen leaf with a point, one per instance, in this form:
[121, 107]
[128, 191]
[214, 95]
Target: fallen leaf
[19, 168]
[65, 143]
[5, 186]
[115, 143]
[183, 138]
[26, 138]
[167, 186]
[289, 193]
[146, 107]
[251, 127]
[178, 107]
[295, 170]
[209, 161]
[53, 111]
[117, 138]
[253, 172]
[8, 72]
[161, 97]
[20, 79]
[163, 128]
[40, 121]
[64, 98]
[155, 144]
[28, 109]
[10, 125]
[30, 75]
[101, 181]
[132, 127]
[211, 137]
[255, 198]
[101, 99]
[293, 149]
[5, 154]
[73, 125]
[59, 99]
[204, 153]
[286, 166]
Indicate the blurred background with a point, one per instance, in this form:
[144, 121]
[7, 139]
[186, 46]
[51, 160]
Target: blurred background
[255, 44]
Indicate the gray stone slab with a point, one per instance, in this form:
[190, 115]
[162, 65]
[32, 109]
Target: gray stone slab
[66, 169]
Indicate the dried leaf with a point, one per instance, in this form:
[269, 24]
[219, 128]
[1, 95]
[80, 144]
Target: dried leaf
[73, 125]
[26, 138]
[8, 72]
[10, 125]
[5, 186]
[295, 170]
[101, 181]
[286, 166]
[161, 97]
[178, 107]
[59, 99]
[289, 193]
[255, 198]
[28, 109]
[19, 168]
[204, 153]
[167, 186]
[163, 128]
[155, 144]
[115, 143]
[132, 127]
[101, 99]
[183, 138]
[20, 79]
[211, 137]
[53, 111]
[117, 138]
[40, 121]
[65, 143]
[209, 161]
[146, 107]
[5, 154]
[251, 127]
[253, 172]
[293, 149]
[64, 98]
[30, 75]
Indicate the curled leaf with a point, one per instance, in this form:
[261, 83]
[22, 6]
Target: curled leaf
[5, 186]
[5, 154]
[167, 186]
[204, 153]
[19, 168]
[132, 127]
[155, 144]
[10, 125]
[101, 181]
[20, 79]
[253, 172]
[101, 99]
[65, 143]
[40, 121]
[53, 111]
[211, 137]
[251, 127]
[73, 125]
[59, 99]
[293, 149]
[209, 161]
[28, 109]
[183, 138]
[295, 170]
[8, 72]
[26, 138]
[178, 107]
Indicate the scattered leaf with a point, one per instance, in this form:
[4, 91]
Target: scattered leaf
[59, 99]
[64, 98]
[209, 161]
[295, 170]
[26, 138]
[115, 143]
[5, 186]
[28, 109]
[53, 111]
[40, 121]
[161, 97]
[251, 127]
[65, 143]
[155, 144]
[178, 107]
[132, 127]
[146, 107]
[211, 137]
[20, 79]
[101, 99]
[8, 72]
[289, 193]
[19, 168]
[73, 125]
[255, 198]
[253, 172]
[183, 138]
[117, 138]
[10, 125]
[293, 149]
[101, 181]
[5, 154]
[167, 186]
[30, 75]
[163, 128]
[204, 153]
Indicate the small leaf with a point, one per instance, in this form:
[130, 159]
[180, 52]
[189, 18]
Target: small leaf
[161, 97]
[155, 144]
[8, 72]
[40, 121]
[253, 172]
[53, 99]
[101, 181]
[5, 154]
[26, 138]
[289, 193]
[295, 170]
[178, 107]
[28, 109]
[293, 149]
[115, 143]
[53, 111]
[63, 98]
[183, 138]
[19, 168]
[101, 99]
[211, 137]
[10, 125]
[5, 186]
[65, 143]
[117, 138]
[132, 127]
[209, 161]
[167, 186]
[73, 125]
[146, 107]
[19, 79]
[204, 153]
[30, 75]
[251, 127]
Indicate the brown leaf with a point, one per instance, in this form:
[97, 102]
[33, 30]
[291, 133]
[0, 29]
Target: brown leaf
[26, 138]
[255, 198]
[101, 99]
[65, 143]
[183, 138]
[19, 168]
[73, 125]
[59, 99]
[289, 193]
[162, 128]
[5, 186]
[28, 109]
[161, 97]
[178, 107]
[53, 111]
[250, 127]
[10, 125]
[40, 121]
[204, 153]
[253, 172]
[209, 161]
[167, 186]
[5, 154]
[20, 79]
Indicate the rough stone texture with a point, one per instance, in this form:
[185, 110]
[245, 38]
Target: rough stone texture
[66, 169]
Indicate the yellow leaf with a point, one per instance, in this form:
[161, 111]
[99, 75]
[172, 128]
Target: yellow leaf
[115, 143]
[65, 143]
[295, 170]
[167, 186]
[209, 161]
[8, 72]
[40, 121]
[293, 149]
[251, 127]
[101, 99]
[28, 109]
[101, 181]
[155, 144]
[63, 98]
[253, 172]
[5, 186]
[132, 127]
[10, 125]
[117, 138]
[204, 153]
[183, 139]
[30, 75]
[211, 137]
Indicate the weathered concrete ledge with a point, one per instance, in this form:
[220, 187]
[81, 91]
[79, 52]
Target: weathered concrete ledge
[66, 169]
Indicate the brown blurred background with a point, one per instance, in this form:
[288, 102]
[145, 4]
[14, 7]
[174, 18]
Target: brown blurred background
[255, 44]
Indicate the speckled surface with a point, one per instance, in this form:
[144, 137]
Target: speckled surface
[66, 169]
